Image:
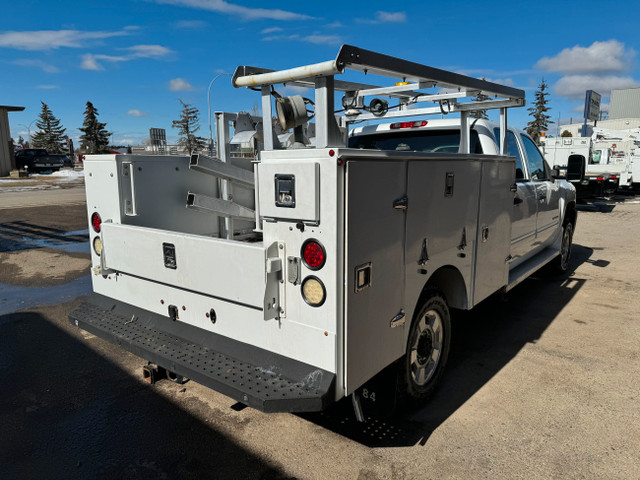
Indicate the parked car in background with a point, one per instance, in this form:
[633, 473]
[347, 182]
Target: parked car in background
[66, 161]
[37, 159]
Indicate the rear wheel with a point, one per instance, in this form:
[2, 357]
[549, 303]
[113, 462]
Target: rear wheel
[562, 262]
[427, 349]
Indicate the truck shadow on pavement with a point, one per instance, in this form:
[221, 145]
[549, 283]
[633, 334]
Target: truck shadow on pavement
[484, 341]
[69, 412]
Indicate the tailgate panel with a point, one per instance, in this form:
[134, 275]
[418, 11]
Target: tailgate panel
[223, 268]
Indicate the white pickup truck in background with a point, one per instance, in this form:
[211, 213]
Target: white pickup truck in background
[290, 281]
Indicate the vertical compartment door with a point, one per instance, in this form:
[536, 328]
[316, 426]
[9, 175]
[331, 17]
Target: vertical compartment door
[374, 274]
[494, 228]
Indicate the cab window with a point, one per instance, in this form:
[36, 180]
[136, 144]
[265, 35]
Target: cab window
[429, 141]
[512, 151]
[535, 160]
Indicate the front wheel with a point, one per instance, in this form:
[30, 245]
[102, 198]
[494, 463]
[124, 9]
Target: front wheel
[427, 349]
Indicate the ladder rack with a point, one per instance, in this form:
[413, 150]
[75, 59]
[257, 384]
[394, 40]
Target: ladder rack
[411, 78]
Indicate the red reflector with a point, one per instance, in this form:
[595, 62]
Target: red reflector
[96, 221]
[613, 177]
[313, 255]
[419, 123]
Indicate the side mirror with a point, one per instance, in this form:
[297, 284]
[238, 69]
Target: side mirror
[575, 168]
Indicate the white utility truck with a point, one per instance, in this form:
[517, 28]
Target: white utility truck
[289, 281]
[608, 157]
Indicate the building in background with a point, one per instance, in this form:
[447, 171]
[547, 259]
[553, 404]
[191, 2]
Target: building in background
[7, 162]
[624, 114]
[625, 104]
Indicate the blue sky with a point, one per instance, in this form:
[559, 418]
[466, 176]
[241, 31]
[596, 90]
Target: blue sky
[134, 59]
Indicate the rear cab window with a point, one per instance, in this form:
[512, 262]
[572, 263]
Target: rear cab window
[513, 151]
[427, 141]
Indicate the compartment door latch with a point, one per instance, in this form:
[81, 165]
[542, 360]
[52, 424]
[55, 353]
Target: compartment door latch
[274, 281]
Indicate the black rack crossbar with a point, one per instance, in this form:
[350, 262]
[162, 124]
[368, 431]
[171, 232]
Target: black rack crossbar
[366, 61]
[374, 63]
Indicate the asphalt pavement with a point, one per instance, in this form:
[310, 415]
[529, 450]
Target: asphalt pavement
[542, 383]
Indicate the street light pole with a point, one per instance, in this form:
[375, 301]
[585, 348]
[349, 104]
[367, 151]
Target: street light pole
[28, 129]
[209, 105]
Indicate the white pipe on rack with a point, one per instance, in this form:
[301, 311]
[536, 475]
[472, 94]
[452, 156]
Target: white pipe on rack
[283, 76]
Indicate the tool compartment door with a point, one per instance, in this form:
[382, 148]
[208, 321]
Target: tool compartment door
[494, 228]
[374, 274]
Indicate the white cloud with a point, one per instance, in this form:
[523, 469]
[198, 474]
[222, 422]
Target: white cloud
[221, 6]
[47, 87]
[291, 90]
[53, 39]
[322, 39]
[149, 51]
[179, 85]
[90, 60]
[335, 24]
[271, 30]
[313, 38]
[391, 17]
[134, 112]
[611, 56]
[29, 62]
[575, 86]
[385, 17]
[501, 81]
[191, 24]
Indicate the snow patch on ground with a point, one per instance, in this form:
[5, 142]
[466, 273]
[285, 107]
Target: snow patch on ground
[61, 175]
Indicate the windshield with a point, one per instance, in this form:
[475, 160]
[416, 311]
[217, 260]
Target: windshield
[432, 141]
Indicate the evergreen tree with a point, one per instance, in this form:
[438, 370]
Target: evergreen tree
[566, 133]
[481, 97]
[21, 141]
[94, 136]
[51, 134]
[187, 126]
[538, 111]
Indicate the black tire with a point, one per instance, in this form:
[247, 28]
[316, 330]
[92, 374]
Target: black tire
[562, 262]
[430, 336]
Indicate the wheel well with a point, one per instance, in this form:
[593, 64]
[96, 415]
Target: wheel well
[570, 214]
[450, 282]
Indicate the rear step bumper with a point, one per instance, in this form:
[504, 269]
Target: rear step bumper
[258, 378]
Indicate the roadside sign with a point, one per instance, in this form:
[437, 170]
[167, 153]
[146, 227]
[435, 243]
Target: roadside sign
[592, 105]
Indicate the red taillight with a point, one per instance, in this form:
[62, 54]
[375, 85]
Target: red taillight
[313, 254]
[613, 177]
[419, 123]
[96, 222]
[599, 178]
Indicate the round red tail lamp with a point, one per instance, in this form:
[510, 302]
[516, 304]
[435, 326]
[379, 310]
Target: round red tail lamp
[314, 255]
[96, 221]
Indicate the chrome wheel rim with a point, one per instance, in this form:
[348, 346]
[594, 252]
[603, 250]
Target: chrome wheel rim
[427, 348]
[565, 251]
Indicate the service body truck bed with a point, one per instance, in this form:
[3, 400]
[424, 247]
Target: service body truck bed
[292, 287]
